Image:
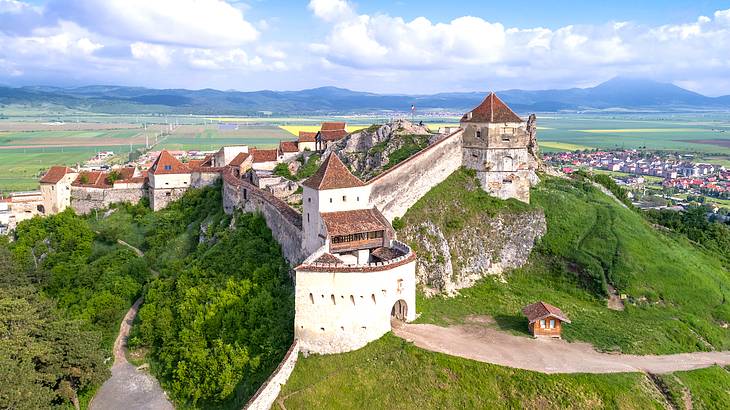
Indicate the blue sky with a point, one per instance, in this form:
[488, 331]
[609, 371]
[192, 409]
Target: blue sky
[405, 46]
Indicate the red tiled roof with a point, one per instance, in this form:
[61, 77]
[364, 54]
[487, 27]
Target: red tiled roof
[357, 221]
[328, 258]
[386, 254]
[541, 310]
[305, 136]
[55, 174]
[264, 155]
[167, 164]
[329, 126]
[288, 146]
[239, 159]
[94, 179]
[492, 109]
[332, 174]
[332, 135]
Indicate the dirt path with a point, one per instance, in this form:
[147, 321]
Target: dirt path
[545, 355]
[129, 387]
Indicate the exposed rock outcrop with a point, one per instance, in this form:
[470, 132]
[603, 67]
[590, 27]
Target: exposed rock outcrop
[489, 246]
[370, 151]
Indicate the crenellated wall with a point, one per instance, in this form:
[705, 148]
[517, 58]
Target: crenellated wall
[285, 223]
[397, 189]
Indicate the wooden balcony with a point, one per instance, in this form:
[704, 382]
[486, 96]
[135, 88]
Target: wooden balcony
[357, 245]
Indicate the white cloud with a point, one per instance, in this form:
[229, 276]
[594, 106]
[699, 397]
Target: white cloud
[151, 52]
[66, 39]
[331, 10]
[194, 23]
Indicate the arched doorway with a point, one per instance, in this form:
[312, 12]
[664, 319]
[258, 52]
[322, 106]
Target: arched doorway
[400, 310]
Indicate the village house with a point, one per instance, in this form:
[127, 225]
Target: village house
[329, 133]
[545, 320]
[264, 159]
[56, 188]
[288, 150]
[307, 141]
[168, 180]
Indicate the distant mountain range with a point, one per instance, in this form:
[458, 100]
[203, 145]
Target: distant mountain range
[618, 94]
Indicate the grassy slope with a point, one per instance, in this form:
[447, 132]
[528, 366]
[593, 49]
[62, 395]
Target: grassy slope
[391, 374]
[676, 290]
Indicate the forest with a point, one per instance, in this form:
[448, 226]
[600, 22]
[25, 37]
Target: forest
[217, 316]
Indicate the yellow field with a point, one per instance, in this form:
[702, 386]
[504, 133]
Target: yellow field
[639, 130]
[294, 129]
[561, 145]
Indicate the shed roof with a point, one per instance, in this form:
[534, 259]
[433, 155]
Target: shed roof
[288, 146]
[356, 221]
[329, 126]
[239, 159]
[491, 110]
[332, 174]
[55, 174]
[542, 310]
[305, 136]
[264, 155]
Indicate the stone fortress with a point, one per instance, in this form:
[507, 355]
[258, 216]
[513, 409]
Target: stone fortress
[352, 275]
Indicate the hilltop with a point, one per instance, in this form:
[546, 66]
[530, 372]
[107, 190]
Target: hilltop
[617, 94]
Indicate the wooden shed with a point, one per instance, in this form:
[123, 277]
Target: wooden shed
[545, 320]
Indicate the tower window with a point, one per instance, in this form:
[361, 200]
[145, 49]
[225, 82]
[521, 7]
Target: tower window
[344, 198]
[330, 200]
[311, 298]
[479, 134]
[333, 299]
[352, 299]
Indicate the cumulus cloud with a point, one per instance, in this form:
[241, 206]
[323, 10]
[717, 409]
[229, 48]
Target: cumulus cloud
[151, 52]
[196, 23]
[472, 45]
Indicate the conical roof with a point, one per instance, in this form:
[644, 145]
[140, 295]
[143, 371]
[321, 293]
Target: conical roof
[332, 174]
[493, 110]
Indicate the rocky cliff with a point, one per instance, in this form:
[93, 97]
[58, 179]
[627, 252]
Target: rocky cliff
[370, 151]
[461, 234]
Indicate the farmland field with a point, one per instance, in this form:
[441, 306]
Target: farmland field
[28, 147]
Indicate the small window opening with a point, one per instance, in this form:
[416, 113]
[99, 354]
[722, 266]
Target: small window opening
[330, 200]
[168, 167]
[373, 297]
[344, 198]
[307, 216]
[342, 328]
[479, 134]
[352, 299]
[542, 323]
[333, 299]
[321, 328]
[309, 199]
[311, 298]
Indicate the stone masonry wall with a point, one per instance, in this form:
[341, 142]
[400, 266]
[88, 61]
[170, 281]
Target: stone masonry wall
[397, 189]
[269, 391]
[285, 223]
[161, 197]
[84, 200]
[203, 179]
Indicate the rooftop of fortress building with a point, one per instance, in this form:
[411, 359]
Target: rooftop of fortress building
[332, 126]
[541, 310]
[305, 136]
[332, 174]
[356, 221]
[288, 146]
[332, 135]
[264, 155]
[55, 174]
[239, 159]
[491, 110]
[93, 179]
[167, 164]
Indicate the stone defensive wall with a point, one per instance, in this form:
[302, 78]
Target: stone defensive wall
[343, 312]
[285, 222]
[84, 200]
[200, 179]
[266, 395]
[397, 189]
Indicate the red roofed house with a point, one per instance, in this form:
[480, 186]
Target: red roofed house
[495, 144]
[307, 141]
[330, 133]
[56, 189]
[544, 319]
[264, 159]
[168, 180]
[288, 150]
[241, 163]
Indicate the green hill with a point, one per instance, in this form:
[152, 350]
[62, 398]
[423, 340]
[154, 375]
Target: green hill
[676, 291]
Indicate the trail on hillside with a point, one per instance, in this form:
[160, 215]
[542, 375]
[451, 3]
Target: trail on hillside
[129, 387]
[545, 355]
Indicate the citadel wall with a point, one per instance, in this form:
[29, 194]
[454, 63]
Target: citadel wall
[84, 200]
[285, 223]
[340, 308]
[397, 189]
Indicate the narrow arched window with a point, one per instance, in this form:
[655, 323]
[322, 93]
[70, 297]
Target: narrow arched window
[352, 299]
[311, 298]
[373, 297]
[333, 299]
